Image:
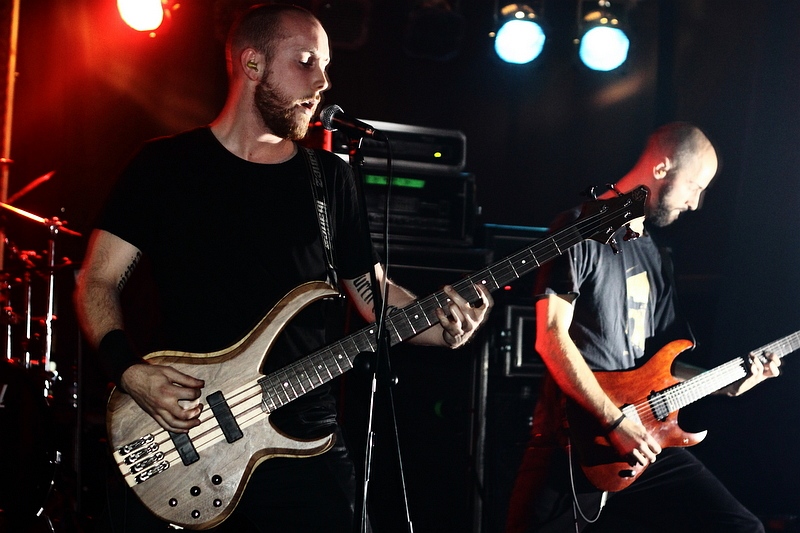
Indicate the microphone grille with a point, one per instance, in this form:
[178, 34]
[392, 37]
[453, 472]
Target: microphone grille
[326, 116]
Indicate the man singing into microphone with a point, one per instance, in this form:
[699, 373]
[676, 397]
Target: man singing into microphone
[242, 184]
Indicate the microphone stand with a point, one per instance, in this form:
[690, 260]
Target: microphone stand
[382, 367]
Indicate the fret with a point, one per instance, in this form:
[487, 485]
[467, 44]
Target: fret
[369, 347]
[395, 332]
[299, 377]
[511, 264]
[335, 359]
[268, 401]
[309, 374]
[322, 369]
[280, 391]
[419, 316]
[287, 387]
[360, 344]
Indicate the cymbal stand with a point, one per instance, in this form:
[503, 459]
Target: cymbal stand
[54, 226]
[28, 314]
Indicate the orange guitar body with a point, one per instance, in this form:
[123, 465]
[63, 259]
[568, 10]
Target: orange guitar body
[603, 466]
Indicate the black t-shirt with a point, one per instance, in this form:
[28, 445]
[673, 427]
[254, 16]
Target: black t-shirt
[226, 239]
[625, 309]
[623, 300]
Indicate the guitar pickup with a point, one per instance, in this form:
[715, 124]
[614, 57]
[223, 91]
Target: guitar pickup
[222, 412]
[185, 447]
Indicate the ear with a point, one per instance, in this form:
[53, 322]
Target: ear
[662, 168]
[251, 63]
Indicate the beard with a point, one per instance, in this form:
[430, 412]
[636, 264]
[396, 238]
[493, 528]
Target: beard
[278, 113]
[661, 215]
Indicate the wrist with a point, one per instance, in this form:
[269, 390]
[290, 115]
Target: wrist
[614, 425]
[117, 355]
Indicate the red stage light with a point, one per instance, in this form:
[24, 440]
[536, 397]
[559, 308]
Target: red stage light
[141, 15]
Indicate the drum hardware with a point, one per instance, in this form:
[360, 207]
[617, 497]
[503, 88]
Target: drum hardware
[28, 261]
[28, 314]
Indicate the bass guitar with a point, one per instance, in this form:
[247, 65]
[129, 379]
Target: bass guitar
[652, 396]
[195, 480]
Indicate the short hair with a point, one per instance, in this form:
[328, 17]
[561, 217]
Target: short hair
[680, 141]
[260, 27]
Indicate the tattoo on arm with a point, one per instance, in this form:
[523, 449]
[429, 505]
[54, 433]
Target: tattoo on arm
[364, 288]
[128, 271]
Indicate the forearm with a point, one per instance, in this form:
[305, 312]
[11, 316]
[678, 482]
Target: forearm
[574, 377]
[452, 327]
[98, 308]
[565, 361]
[398, 298]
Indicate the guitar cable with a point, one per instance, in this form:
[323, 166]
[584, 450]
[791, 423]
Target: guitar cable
[576, 508]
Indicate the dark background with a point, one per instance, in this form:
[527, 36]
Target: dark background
[90, 90]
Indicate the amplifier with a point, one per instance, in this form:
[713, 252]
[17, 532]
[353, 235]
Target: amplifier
[423, 208]
[414, 148]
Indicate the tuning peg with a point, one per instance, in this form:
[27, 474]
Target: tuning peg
[614, 245]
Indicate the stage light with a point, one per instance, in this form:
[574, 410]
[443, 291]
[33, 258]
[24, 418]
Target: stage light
[603, 43]
[141, 15]
[520, 38]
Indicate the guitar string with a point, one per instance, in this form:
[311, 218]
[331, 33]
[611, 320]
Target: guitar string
[710, 381]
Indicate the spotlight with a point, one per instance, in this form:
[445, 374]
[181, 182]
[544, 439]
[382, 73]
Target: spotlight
[520, 38]
[141, 15]
[603, 44]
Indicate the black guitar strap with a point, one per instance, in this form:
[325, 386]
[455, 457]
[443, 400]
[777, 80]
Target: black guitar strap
[319, 190]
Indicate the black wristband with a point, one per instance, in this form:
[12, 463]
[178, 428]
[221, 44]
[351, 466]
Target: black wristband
[116, 355]
[615, 424]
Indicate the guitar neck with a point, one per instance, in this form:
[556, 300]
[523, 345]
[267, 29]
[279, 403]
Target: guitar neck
[310, 372]
[710, 381]
[334, 360]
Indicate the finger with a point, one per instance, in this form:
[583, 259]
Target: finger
[638, 457]
[184, 418]
[486, 296]
[454, 296]
[189, 404]
[173, 423]
[457, 316]
[756, 366]
[649, 453]
[188, 394]
[184, 380]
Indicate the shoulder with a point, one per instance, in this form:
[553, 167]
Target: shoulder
[190, 139]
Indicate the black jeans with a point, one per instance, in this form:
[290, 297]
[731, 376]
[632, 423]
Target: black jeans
[674, 494]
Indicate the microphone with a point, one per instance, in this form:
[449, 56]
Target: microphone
[333, 118]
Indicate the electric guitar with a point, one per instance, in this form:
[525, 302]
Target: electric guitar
[195, 480]
[652, 396]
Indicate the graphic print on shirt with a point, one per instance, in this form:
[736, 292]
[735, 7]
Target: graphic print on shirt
[638, 289]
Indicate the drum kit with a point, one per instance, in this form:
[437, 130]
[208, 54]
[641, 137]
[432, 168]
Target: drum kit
[29, 376]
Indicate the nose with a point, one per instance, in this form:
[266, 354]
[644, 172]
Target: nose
[323, 83]
[694, 201]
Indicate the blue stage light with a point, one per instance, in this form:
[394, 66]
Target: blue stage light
[520, 38]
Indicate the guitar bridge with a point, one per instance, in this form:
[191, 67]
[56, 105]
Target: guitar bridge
[135, 445]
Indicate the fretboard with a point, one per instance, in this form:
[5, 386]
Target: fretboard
[710, 381]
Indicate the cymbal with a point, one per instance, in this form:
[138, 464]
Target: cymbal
[49, 222]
